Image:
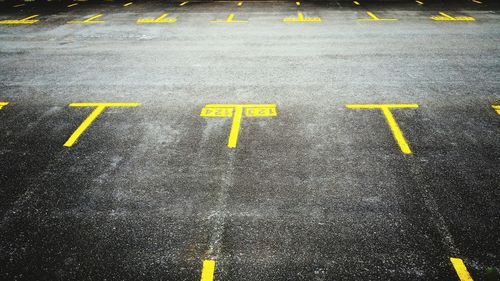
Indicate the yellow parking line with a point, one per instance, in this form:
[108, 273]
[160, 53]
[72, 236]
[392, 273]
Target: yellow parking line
[90, 20]
[2, 104]
[496, 108]
[461, 270]
[420, 2]
[396, 131]
[183, 3]
[28, 20]
[240, 4]
[161, 19]
[127, 4]
[230, 19]
[208, 270]
[355, 3]
[235, 128]
[445, 17]
[72, 5]
[99, 108]
[373, 17]
[477, 2]
[236, 112]
[300, 18]
[18, 5]
[297, 3]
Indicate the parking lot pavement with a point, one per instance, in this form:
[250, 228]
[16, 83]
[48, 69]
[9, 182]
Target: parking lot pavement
[250, 140]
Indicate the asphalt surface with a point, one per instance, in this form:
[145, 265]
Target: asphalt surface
[317, 192]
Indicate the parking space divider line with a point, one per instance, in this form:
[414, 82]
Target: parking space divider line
[208, 270]
[461, 269]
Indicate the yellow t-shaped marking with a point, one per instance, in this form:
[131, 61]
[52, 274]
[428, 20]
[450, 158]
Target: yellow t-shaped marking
[496, 108]
[373, 17]
[88, 21]
[228, 20]
[2, 104]
[161, 19]
[446, 17]
[396, 131]
[99, 108]
[300, 18]
[208, 270]
[460, 269]
[28, 20]
[236, 111]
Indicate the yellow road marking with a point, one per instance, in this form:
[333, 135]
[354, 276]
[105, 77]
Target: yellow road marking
[235, 128]
[300, 18]
[396, 131]
[355, 2]
[420, 2]
[28, 20]
[99, 108]
[297, 3]
[161, 19]
[373, 17]
[461, 270]
[90, 20]
[2, 104]
[446, 17]
[183, 3]
[236, 111]
[127, 4]
[72, 5]
[207, 273]
[228, 20]
[496, 108]
[477, 2]
[240, 4]
[18, 5]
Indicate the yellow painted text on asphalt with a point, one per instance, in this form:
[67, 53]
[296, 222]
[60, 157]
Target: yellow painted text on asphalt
[300, 18]
[236, 111]
[445, 17]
